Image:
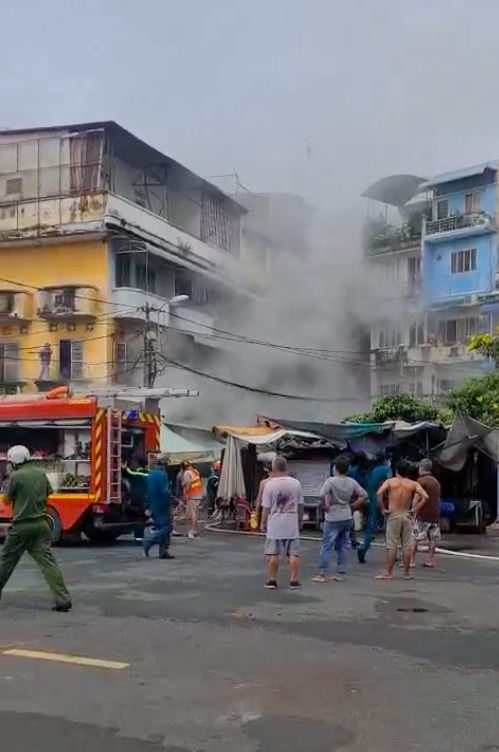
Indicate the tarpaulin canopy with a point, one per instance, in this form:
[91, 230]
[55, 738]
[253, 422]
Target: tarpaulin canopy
[263, 435]
[333, 432]
[465, 434]
[361, 437]
[179, 448]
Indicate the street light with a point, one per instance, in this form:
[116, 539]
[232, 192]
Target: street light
[178, 300]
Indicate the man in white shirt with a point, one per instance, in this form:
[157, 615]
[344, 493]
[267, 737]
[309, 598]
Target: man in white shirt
[282, 519]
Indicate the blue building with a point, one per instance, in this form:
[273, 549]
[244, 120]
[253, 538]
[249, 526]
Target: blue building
[447, 287]
[459, 252]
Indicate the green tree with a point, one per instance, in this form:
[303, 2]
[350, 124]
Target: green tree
[479, 398]
[401, 406]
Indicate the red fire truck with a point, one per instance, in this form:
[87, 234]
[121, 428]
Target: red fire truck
[81, 441]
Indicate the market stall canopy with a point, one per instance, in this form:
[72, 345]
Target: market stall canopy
[179, 448]
[333, 432]
[263, 435]
[465, 434]
[363, 437]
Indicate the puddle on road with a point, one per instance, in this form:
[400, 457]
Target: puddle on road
[285, 733]
[28, 732]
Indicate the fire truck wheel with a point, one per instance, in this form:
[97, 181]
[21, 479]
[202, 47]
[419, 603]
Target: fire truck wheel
[101, 536]
[56, 525]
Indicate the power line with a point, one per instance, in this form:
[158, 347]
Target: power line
[253, 389]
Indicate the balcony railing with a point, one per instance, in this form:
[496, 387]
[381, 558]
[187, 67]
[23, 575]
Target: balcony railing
[386, 356]
[67, 303]
[479, 220]
[382, 237]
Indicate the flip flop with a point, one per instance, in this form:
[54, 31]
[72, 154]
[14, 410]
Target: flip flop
[384, 577]
[428, 566]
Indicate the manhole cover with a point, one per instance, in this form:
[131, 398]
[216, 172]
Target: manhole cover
[413, 610]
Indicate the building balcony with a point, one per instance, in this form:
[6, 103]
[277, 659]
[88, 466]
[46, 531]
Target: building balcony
[15, 306]
[179, 246]
[459, 225]
[68, 303]
[442, 354]
[386, 357]
[380, 237]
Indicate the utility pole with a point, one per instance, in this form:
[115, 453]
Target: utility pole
[150, 369]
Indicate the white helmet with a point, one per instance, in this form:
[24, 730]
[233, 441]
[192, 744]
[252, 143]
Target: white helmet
[18, 455]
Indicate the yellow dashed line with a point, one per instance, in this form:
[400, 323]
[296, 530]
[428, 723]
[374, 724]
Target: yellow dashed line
[75, 660]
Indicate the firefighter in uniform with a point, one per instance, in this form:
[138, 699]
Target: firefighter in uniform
[30, 531]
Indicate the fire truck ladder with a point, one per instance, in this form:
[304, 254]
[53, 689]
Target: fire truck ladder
[114, 427]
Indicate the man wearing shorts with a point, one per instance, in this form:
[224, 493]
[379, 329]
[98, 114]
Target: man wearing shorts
[427, 513]
[282, 518]
[396, 497]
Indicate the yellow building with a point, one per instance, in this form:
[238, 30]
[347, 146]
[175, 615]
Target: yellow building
[96, 228]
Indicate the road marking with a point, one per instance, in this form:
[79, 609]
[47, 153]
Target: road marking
[444, 551]
[466, 555]
[75, 660]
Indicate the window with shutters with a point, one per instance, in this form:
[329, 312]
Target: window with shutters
[71, 355]
[120, 353]
[9, 361]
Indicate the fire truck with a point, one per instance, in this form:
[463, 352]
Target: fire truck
[82, 441]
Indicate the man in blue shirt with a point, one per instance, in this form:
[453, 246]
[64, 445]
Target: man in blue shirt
[158, 500]
[378, 476]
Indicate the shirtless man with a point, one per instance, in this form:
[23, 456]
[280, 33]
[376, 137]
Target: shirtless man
[396, 497]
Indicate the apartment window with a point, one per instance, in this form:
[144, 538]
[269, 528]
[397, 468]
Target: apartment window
[123, 270]
[71, 353]
[65, 300]
[416, 334]
[13, 186]
[145, 277]
[442, 209]
[463, 261]
[415, 387]
[120, 353]
[9, 361]
[388, 390]
[389, 337]
[183, 284]
[453, 331]
[472, 203]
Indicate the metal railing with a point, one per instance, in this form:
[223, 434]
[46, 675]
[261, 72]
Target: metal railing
[382, 237]
[483, 220]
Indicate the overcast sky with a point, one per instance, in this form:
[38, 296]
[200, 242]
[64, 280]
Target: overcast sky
[374, 86]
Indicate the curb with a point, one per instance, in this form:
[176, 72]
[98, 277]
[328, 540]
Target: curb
[214, 528]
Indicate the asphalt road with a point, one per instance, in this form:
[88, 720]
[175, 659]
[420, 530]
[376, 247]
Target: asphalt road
[215, 663]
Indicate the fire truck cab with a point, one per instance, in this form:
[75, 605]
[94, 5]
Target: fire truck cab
[82, 441]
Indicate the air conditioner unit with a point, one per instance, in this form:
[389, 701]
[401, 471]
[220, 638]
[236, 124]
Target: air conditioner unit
[471, 299]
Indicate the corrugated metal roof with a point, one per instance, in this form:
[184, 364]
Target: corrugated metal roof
[465, 172]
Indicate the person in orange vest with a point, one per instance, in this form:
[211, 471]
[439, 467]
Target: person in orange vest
[193, 493]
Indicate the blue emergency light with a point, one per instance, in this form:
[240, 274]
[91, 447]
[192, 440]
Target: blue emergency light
[131, 415]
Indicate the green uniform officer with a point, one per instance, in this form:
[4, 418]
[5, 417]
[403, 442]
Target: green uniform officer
[30, 531]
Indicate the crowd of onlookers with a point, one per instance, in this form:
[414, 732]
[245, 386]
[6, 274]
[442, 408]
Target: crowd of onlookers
[405, 507]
